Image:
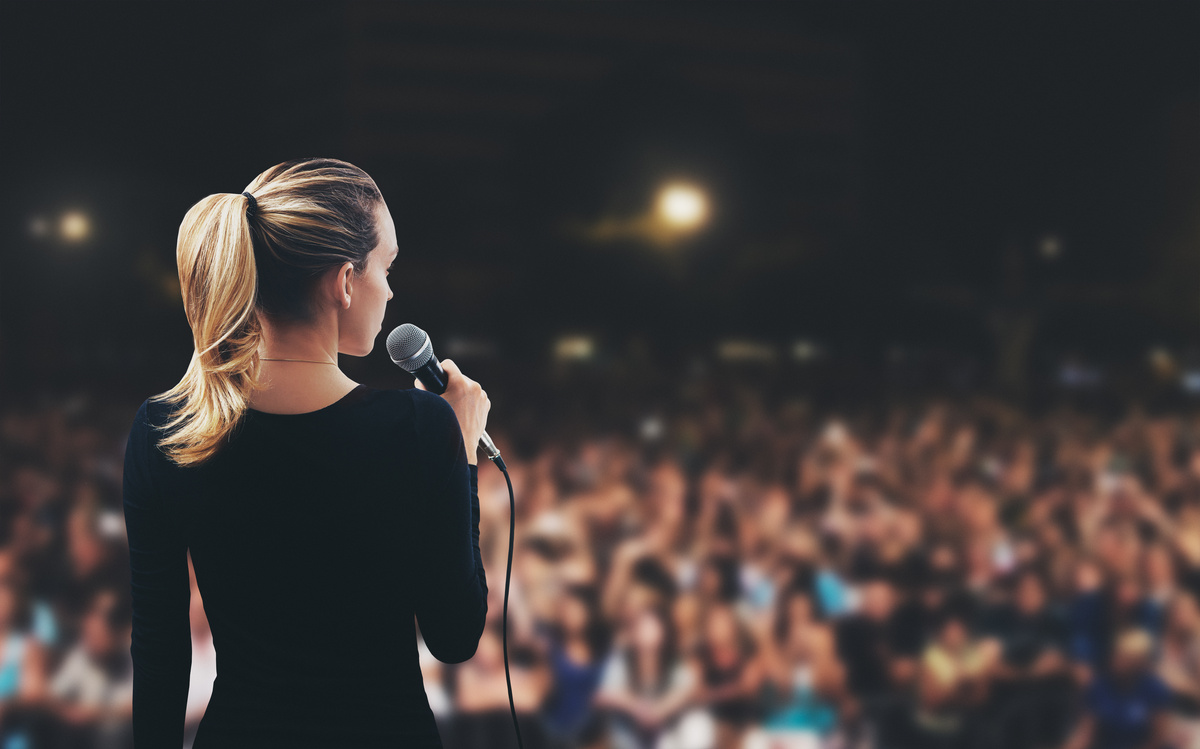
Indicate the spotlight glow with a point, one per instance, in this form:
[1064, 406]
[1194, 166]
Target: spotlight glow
[682, 206]
[574, 348]
[74, 227]
[1051, 247]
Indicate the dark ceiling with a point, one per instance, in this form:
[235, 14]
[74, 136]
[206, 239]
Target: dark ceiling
[871, 166]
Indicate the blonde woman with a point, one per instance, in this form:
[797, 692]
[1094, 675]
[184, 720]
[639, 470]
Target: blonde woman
[321, 514]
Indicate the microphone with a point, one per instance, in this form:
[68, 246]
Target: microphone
[411, 350]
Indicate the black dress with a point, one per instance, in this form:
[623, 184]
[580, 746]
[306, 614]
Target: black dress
[315, 538]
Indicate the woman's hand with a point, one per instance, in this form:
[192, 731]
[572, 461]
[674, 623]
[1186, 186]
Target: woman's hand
[470, 404]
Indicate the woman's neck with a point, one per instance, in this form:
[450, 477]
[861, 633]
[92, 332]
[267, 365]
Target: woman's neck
[317, 341]
[299, 386]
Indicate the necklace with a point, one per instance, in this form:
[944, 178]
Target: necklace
[310, 361]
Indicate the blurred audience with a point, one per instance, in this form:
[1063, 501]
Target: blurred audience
[750, 572]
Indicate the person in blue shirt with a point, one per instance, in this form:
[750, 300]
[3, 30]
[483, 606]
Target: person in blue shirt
[1096, 615]
[1127, 705]
[23, 659]
[577, 656]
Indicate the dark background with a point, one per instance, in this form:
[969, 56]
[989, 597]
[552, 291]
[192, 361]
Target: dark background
[874, 169]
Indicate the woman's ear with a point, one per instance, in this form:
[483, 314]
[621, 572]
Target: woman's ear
[345, 286]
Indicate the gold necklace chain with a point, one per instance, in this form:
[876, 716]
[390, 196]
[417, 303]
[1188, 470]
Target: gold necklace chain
[310, 361]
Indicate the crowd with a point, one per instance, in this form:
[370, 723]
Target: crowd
[740, 571]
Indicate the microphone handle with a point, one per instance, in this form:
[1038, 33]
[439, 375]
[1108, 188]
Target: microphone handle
[433, 377]
[489, 447]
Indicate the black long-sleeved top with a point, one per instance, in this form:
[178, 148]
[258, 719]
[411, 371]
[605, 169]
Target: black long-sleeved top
[315, 538]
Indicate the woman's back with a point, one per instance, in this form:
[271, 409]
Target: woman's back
[315, 538]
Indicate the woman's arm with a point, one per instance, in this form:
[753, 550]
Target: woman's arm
[161, 642]
[449, 584]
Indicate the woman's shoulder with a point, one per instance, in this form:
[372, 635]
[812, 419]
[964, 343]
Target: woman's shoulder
[424, 398]
[156, 410]
[431, 410]
[407, 414]
[410, 405]
[153, 413]
[403, 412]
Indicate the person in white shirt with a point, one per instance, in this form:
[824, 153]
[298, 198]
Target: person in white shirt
[91, 693]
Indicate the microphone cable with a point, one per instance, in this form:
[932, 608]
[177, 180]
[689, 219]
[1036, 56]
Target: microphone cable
[512, 526]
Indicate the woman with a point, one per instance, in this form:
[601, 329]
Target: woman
[22, 667]
[730, 673]
[481, 717]
[806, 680]
[646, 686]
[578, 645]
[90, 693]
[321, 514]
[953, 682]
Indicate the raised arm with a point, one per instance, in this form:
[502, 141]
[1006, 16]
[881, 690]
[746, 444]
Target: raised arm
[449, 583]
[161, 644]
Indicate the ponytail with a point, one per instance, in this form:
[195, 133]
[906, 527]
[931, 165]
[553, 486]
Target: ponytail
[219, 280]
[239, 267]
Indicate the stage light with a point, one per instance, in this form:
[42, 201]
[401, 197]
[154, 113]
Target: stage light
[39, 226]
[804, 350]
[743, 350]
[1075, 374]
[574, 348]
[652, 428]
[1191, 382]
[682, 206]
[1162, 362]
[469, 348]
[1050, 246]
[74, 226]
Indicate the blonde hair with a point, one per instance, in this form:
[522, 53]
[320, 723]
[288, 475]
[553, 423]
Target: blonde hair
[241, 260]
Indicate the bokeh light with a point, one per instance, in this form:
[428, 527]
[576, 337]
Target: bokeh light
[1051, 246]
[574, 348]
[74, 226]
[682, 206]
[39, 226]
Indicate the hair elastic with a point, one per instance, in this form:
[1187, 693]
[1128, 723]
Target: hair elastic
[253, 207]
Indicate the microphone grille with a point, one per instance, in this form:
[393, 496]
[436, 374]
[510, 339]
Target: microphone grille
[405, 342]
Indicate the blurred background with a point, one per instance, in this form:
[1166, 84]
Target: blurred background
[846, 358]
